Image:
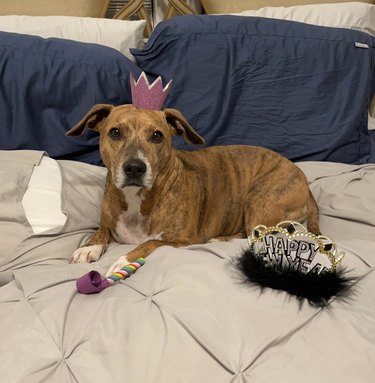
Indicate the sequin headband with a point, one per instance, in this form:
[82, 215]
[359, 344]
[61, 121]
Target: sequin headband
[146, 95]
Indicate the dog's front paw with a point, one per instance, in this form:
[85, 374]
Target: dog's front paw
[118, 265]
[87, 254]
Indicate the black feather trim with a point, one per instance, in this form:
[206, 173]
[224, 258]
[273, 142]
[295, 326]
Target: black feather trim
[318, 289]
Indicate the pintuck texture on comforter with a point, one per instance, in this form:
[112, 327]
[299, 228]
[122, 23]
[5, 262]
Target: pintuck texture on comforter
[185, 316]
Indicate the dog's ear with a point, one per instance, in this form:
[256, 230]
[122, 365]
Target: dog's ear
[177, 121]
[95, 115]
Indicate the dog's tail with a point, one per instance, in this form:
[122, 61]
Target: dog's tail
[313, 216]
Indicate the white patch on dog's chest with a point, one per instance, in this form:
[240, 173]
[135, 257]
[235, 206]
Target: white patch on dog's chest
[129, 228]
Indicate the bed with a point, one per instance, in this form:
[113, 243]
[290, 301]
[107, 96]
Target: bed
[297, 80]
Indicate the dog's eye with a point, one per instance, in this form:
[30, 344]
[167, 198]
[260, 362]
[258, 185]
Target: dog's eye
[115, 133]
[157, 136]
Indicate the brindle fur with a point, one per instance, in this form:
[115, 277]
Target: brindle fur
[218, 192]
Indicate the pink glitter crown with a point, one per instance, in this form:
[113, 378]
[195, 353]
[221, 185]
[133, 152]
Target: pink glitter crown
[146, 95]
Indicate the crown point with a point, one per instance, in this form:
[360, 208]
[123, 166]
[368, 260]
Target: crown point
[146, 95]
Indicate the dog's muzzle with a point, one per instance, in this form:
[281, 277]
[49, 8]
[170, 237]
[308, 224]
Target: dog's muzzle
[134, 170]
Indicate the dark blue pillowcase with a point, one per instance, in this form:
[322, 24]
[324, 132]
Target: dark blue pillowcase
[301, 90]
[48, 85]
[372, 139]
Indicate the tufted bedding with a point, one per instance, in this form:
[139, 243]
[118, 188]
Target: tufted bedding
[186, 315]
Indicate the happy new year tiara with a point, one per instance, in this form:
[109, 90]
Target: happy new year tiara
[146, 95]
[288, 257]
[291, 242]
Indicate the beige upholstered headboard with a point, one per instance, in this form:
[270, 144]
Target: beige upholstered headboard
[90, 8]
[233, 6]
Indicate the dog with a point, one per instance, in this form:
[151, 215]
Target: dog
[156, 195]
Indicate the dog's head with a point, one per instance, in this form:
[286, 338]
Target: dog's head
[136, 144]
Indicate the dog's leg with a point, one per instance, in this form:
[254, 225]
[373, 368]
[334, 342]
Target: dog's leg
[142, 251]
[94, 248]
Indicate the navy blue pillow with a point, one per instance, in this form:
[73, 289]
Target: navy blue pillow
[372, 152]
[48, 85]
[301, 90]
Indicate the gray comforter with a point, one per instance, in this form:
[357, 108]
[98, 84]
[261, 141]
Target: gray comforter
[184, 316]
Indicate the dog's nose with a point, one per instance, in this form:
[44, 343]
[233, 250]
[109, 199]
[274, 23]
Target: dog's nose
[134, 168]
